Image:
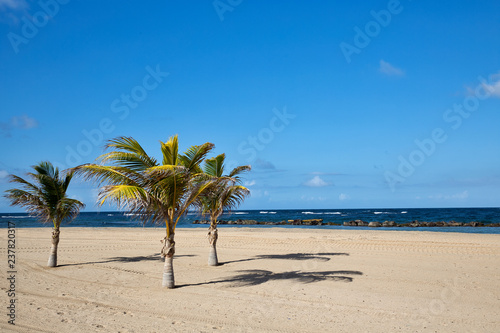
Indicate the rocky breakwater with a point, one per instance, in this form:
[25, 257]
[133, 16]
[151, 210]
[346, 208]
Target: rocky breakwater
[354, 223]
[287, 222]
[416, 224]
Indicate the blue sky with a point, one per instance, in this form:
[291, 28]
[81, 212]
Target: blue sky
[372, 104]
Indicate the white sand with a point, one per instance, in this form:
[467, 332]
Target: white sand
[272, 280]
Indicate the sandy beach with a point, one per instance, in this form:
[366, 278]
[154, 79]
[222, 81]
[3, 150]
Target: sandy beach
[270, 280]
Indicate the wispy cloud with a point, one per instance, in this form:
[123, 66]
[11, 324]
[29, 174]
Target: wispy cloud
[344, 196]
[3, 174]
[24, 122]
[264, 165]
[316, 181]
[493, 88]
[12, 11]
[19, 122]
[326, 173]
[259, 194]
[388, 69]
[249, 183]
[13, 4]
[457, 196]
[311, 198]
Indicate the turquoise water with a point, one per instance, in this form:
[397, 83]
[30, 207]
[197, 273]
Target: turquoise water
[123, 219]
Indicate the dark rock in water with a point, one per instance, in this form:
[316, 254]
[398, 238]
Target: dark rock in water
[475, 224]
[354, 223]
[332, 223]
[312, 222]
[247, 222]
[389, 224]
[414, 224]
[455, 224]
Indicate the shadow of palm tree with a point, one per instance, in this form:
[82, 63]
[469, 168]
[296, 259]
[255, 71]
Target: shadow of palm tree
[291, 256]
[258, 276]
[153, 257]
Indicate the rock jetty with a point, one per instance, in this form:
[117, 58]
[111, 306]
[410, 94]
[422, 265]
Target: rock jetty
[287, 222]
[356, 223]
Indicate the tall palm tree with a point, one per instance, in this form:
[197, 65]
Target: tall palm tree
[224, 193]
[46, 198]
[157, 193]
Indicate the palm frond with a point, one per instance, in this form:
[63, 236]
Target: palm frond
[215, 166]
[108, 174]
[128, 152]
[196, 190]
[129, 160]
[25, 184]
[68, 209]
[236, 172]
[195, 155]
[123, 194]
[170, 151]
[234, 196]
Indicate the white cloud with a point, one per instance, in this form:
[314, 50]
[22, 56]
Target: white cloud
[22, 122]
[457, 196]
[344, 196]
[13, 4]
[311, 198]
[3, 174]
[316, 181]
[249, 183]
[326, 173]
[263, 164]
[493, 88]
[461, 195]
[388, 69]
[259, 194]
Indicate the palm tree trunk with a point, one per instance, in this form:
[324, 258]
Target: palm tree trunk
[168, 252]
[212, 238]
[53, 249]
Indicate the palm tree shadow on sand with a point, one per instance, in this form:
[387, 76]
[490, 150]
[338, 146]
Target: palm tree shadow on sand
[256, 277]
[153, 257]
[290, 256]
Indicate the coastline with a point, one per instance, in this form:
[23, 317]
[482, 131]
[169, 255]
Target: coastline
[468, 220]
[272, 279]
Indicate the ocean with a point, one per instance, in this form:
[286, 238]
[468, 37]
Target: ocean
[124, 219]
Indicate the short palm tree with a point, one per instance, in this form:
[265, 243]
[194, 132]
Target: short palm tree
[224, 193]
[45, 197]
[157, 193]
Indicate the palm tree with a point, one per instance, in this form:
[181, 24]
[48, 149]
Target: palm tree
[224, 193]
[46, 198]
[157, 193]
